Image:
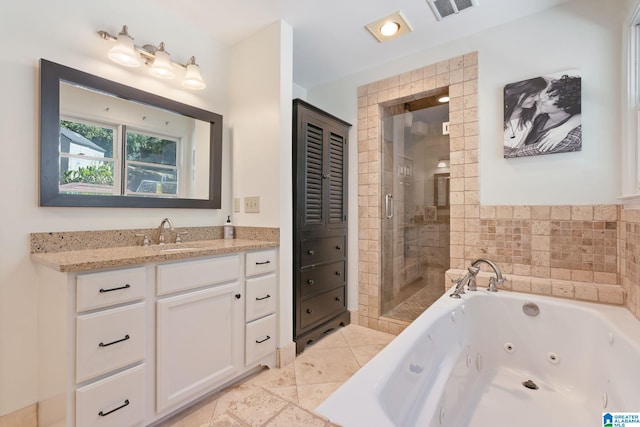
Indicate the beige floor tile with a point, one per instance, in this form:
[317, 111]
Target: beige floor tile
[364, 353]
[293, 416]
[197, 415]
[276, 377]
[310, 396]
[252, 405]
[289, 393]
[226, 420]
[323, 365]
[359, 335]
[334, 340]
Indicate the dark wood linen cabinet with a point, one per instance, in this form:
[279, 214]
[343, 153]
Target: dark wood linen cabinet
[320, 223]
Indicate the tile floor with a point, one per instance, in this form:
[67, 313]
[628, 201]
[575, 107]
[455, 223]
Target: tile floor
[287, 397]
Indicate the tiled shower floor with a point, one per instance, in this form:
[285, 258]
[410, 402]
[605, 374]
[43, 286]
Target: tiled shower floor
[286, 397]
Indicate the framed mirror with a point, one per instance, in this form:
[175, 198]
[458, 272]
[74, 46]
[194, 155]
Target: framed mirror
[441, 190]
[104, 144]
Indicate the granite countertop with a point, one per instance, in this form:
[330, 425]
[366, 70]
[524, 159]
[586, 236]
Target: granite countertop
[112, 257]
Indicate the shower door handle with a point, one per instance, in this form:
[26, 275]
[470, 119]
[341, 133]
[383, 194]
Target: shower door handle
[388, 206]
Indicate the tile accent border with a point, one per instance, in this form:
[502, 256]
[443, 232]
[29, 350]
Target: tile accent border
[460, 75]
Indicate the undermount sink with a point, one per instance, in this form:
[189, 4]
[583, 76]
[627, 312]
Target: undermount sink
[178, 249]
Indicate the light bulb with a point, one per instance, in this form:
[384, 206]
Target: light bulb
[124, 52]
[389, 28]
[192, 78]
[161, 66]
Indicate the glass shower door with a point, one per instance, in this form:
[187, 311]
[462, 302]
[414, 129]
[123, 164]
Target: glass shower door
[415, 223]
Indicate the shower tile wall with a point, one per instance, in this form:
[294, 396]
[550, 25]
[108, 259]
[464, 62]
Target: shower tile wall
[600, 262]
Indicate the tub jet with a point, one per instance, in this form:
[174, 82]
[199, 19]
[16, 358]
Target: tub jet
[530, 385]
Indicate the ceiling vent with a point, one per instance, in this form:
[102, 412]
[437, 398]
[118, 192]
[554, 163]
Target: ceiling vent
[444, 8]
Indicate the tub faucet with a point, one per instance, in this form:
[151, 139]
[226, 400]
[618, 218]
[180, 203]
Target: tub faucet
[468, 280]
[492, 280]
[161, 230]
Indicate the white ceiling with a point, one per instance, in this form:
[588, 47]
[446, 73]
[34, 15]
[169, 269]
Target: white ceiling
[329, 36]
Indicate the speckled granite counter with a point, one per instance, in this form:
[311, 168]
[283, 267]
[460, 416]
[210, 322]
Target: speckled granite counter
[82, 251]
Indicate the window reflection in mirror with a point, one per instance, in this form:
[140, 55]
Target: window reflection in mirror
[106, 144]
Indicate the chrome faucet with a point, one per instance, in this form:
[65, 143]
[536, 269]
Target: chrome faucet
[492, 280]
[469, 279]
[161, 230]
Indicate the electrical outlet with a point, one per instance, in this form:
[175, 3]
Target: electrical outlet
[236, 204]
[252, 204]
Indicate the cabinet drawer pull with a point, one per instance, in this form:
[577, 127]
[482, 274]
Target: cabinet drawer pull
[311, 252]
[260, 299]
[261, 341]
[127, 286]
[310, 282]
[264, 262]
[309, 311]
[126, 337]
[104, 414]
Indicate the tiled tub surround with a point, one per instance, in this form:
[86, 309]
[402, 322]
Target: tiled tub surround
[588, 252]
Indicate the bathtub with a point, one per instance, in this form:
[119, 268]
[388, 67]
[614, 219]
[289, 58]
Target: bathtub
[481, 361]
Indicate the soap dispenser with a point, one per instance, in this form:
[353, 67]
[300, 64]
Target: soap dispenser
[228, 228]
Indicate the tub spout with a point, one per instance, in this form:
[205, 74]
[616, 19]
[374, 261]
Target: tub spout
[492, 280]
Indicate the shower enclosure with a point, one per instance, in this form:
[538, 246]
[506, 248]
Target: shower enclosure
[415, 216]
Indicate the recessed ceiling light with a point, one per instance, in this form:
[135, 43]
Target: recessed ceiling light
[389, 27]
[443, 99]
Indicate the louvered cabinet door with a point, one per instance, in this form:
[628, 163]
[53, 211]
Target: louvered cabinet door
[320, 180]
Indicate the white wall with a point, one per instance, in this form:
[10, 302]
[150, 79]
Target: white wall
[584, 35]
[65, 32]
[260, 122]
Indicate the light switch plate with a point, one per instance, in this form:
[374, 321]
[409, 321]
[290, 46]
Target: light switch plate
[252, 204]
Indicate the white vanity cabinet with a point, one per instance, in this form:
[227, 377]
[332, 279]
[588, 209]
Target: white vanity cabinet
[199, 332]
[130, 346]
[261, 305]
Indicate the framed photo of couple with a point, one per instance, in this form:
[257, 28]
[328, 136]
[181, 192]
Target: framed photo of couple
[542, 115]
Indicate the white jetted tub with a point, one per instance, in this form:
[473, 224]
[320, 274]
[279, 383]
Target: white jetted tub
[481, 361]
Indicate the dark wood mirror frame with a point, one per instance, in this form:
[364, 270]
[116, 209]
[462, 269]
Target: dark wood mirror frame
[51, 74]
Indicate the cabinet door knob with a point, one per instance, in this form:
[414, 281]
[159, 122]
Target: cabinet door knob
[338, 273]
[309, 311]
[311, 252]
[338, 299]
[338, 247]
[310, 281]
[238, 296]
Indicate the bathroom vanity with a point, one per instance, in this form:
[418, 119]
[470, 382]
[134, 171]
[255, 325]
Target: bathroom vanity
[150, 331]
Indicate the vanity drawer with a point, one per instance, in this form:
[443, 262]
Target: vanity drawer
[318, 279]
[96, 290]
[261, 297]
[318, 308]
[260, 339]
[185, 275]
[109, 340]
[325, 249]
[118, 400]
[261, 262]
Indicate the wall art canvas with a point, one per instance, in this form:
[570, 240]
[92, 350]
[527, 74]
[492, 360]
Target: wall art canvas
[542, 115]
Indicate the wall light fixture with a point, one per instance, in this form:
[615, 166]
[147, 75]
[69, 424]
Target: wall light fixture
[126, 53]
